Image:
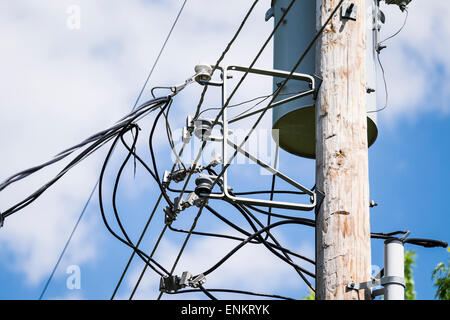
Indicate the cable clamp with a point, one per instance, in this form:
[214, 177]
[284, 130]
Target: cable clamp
[171, 213]
[197, 281]
[179, 175]
[176, 89]
[172, 284]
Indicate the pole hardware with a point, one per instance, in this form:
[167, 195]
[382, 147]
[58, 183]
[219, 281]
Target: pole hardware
[349, 11]
[402, 4]
[376, 283]
[2, 219]
[269, 14]
[380, 47]
[203, 127]
[192, 199]
[172, 284]
[204, 185]
[203, 73]
[179, 175]
[370, 90]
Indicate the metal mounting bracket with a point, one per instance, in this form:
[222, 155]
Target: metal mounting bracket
[269, 14]
[376, 283]
[226, 194]
[349, 11]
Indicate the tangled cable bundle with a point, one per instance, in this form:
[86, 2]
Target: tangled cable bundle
[256, 232]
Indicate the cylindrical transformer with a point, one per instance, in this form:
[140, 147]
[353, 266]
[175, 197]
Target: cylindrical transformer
[295, 120]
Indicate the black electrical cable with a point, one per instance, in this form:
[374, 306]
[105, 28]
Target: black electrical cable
[282, 85]
[306, 222]
[137, 245]
[218, 235]
[186, 240]
[379, 48]
[223, 54]
[170, 138]
[152, 154]
[243, 243]
[64, 154]
[234, 291]
[247, 215]
[162, 232]
[102, 211]
[103, 138]
[386, 89]
[116, 184]
[427, 243]
[208, 234]
[67, 152]
[400, 30]
[236, 88]
[146, 264]
[381, 235]
[265, 97]
[272, 188]
[206, 292]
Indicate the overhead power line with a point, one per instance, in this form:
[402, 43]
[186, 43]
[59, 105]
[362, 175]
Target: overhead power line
[96, 184]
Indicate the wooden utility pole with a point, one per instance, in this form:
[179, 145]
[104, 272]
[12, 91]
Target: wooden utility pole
[343, 225]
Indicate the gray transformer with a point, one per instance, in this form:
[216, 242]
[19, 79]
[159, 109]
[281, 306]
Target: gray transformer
[295, 120]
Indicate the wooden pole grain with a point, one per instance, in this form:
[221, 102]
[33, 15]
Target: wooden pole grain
[343, 252]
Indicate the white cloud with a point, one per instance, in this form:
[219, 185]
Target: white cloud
[416, 61]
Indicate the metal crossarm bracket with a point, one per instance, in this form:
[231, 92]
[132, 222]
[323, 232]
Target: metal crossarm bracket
[227, 142]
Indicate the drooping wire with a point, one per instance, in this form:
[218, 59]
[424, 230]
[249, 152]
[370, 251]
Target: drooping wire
[96, 184]
[228, 47]
[149, 260]
[399, 30]
[383, 73]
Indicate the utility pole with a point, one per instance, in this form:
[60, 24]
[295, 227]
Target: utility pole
[342, 222]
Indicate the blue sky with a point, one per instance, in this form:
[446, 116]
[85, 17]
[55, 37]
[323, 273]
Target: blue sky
[61, 85]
